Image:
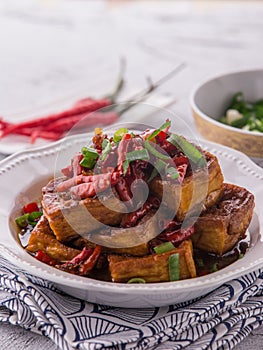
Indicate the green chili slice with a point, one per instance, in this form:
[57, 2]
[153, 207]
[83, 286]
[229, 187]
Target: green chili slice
[174, 267]
[118, 135]
[157, 131]
[188, 149]
[136, 280]
[90, 157]
[164, 247]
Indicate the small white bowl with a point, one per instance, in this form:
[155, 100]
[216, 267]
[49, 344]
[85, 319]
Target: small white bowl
[209, 101]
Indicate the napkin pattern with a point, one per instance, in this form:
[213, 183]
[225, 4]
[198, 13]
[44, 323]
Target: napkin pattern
[218, 320]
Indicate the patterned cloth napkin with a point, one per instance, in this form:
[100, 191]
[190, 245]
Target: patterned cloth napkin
[219, 320]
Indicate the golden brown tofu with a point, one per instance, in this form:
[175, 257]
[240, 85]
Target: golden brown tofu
[131, 240]
[198, 191]
[43, 239]
[152, 268]
[68, 217]
[220, 228]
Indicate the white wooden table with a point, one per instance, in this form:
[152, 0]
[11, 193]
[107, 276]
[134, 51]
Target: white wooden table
[54, 50]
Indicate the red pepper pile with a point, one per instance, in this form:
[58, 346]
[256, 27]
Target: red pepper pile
[54, 126]
[84, 113]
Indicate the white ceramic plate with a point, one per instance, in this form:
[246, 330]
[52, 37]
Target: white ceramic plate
[23, 174]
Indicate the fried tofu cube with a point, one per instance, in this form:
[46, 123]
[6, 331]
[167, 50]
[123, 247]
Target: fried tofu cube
[152, 268]
[69, 217]
[198, 191]
[42, 238]
[220, 228]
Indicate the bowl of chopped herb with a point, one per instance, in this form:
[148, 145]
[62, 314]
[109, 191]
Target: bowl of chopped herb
[228, 109]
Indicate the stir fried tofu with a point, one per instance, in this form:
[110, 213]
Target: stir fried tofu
[152, 268]
[42, 238]
[224, 224]
[68, 217]
[198, 191]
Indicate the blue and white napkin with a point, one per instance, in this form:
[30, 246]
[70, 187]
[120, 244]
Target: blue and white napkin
[218, 320]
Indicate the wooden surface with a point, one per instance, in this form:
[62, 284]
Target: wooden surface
[52, 51]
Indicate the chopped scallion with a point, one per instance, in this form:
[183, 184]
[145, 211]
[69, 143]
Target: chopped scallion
[164, 247]
[90, 157]
[188, 149]
[174, 267]
[118, 135]
[106, 148]
[28, 219]
[153, 150]
[157, 131]
[22, 221]
[172, 172]
[158, 167]
[136, 280]
[140, 154]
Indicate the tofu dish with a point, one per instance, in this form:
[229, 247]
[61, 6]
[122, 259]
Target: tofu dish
[138, 207]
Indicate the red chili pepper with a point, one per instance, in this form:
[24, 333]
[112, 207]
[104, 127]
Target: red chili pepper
[45, 258]
[177, 236]
[132, 218]
[124, 191]
[180, 160]
[82, 256]
[161, 136]
[89, 264]
[30, 208]
[42, 121]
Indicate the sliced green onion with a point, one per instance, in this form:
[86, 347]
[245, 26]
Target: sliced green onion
[157, 131]
[164, 247]
[136, 280]
[90, 157]
[106, 147]
[214, 267]
[34, 216]
[174, 267]
[22, 221]
[118, 135]
[154, 151]
[172, 172]
[140, 154]
[158, 167]
[188, 149]
[28, 219]
[125, 166]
